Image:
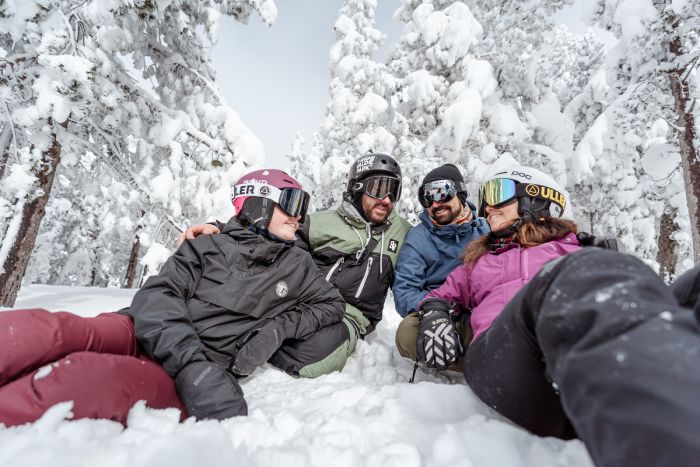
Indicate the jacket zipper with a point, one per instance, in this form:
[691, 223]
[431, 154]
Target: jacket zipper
[335, 266]
[364, 278]
[526, 272]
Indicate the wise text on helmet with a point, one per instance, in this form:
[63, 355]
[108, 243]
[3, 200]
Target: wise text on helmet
[365, 163]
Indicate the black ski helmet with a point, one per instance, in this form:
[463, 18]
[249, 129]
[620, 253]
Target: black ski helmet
[369, 165]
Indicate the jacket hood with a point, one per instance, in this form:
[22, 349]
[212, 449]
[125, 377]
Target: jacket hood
[258, 248]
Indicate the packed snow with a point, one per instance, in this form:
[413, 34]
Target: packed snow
[367, 415]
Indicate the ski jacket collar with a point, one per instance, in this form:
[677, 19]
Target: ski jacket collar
[348, 212]
[255, 247]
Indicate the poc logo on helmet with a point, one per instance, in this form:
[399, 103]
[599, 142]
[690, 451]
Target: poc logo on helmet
[520, 174]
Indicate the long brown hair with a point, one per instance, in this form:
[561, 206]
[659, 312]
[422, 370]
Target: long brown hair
[529, 234]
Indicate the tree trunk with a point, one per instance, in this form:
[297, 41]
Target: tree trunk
[32, 214]
[690, 162]
[667, 257]
[5, 143]
[133, 262]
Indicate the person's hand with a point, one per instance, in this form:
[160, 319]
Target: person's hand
[438, 343]
[257, 349]
[197, 230]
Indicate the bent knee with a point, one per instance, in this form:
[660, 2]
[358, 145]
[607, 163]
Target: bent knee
[406, 336]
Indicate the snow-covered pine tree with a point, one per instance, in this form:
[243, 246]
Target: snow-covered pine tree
[464, 90]
[680, 29]
[628, 169]
[67, 84]
[306, 164]
[567, 62]
[441, 91]
[445, 103]
[358, 118]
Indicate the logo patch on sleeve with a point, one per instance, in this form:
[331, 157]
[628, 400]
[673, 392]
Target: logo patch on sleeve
[393, 245]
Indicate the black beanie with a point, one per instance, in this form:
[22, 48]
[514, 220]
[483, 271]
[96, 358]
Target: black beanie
[444, 172]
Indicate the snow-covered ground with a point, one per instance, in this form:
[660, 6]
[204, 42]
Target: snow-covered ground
[366, 415]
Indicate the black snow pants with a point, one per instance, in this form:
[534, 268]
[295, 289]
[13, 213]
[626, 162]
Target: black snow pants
[597, 346]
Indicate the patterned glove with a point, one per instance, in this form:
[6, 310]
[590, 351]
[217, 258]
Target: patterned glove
[438, 343]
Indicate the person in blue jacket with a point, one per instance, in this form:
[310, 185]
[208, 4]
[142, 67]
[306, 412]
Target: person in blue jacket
[432, 248]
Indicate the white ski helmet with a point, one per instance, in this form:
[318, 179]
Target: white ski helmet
[539, 195]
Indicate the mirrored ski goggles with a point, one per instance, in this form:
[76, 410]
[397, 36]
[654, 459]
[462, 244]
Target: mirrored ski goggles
[497, 192]
[293, 201]
[439, 190]
[380, 187]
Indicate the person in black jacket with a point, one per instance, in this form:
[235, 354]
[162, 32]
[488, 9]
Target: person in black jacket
[221, 306]
[225, 304]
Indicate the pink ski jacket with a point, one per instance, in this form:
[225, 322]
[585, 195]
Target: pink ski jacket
[495, 278]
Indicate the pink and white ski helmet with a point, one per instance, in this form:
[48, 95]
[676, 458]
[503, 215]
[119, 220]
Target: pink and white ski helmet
[272, 185]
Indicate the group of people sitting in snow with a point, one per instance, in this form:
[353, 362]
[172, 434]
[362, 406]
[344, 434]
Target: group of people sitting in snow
[553, 328]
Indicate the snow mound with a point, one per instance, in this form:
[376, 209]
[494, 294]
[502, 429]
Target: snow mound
[366, 415]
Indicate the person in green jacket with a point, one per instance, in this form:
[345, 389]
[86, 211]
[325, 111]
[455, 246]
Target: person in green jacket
[355, 245]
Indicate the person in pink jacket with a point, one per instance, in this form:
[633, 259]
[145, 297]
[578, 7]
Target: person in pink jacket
[570, 342]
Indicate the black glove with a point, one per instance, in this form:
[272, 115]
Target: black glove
[208, 390]
[609, 243]
[438, 343]
[258, 348]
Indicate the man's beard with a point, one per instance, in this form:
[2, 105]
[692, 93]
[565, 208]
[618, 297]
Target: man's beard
[445, 215]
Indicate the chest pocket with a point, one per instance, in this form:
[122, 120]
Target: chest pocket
[368, 282]
[254, 292]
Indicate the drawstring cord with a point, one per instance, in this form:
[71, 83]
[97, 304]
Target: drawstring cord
[381, 254]
[362, 242]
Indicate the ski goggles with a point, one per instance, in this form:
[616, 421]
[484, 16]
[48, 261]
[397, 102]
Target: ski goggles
[439, 190]
[293, 201]
[380, 186]
[498, 192]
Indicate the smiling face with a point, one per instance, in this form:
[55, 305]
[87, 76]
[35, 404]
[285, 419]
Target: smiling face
[500, 218]
[283, 225]
[376, 210]
[444, 213]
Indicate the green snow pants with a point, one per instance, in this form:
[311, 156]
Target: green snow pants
[324, 351]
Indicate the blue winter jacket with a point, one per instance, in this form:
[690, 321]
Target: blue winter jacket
[430, 252]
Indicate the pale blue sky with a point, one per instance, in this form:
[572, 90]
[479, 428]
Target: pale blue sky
[277, 77]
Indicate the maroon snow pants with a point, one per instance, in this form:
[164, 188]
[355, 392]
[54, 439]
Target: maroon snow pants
[47, 358]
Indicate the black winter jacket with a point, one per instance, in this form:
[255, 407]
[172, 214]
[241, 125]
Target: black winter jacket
[215, 292]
